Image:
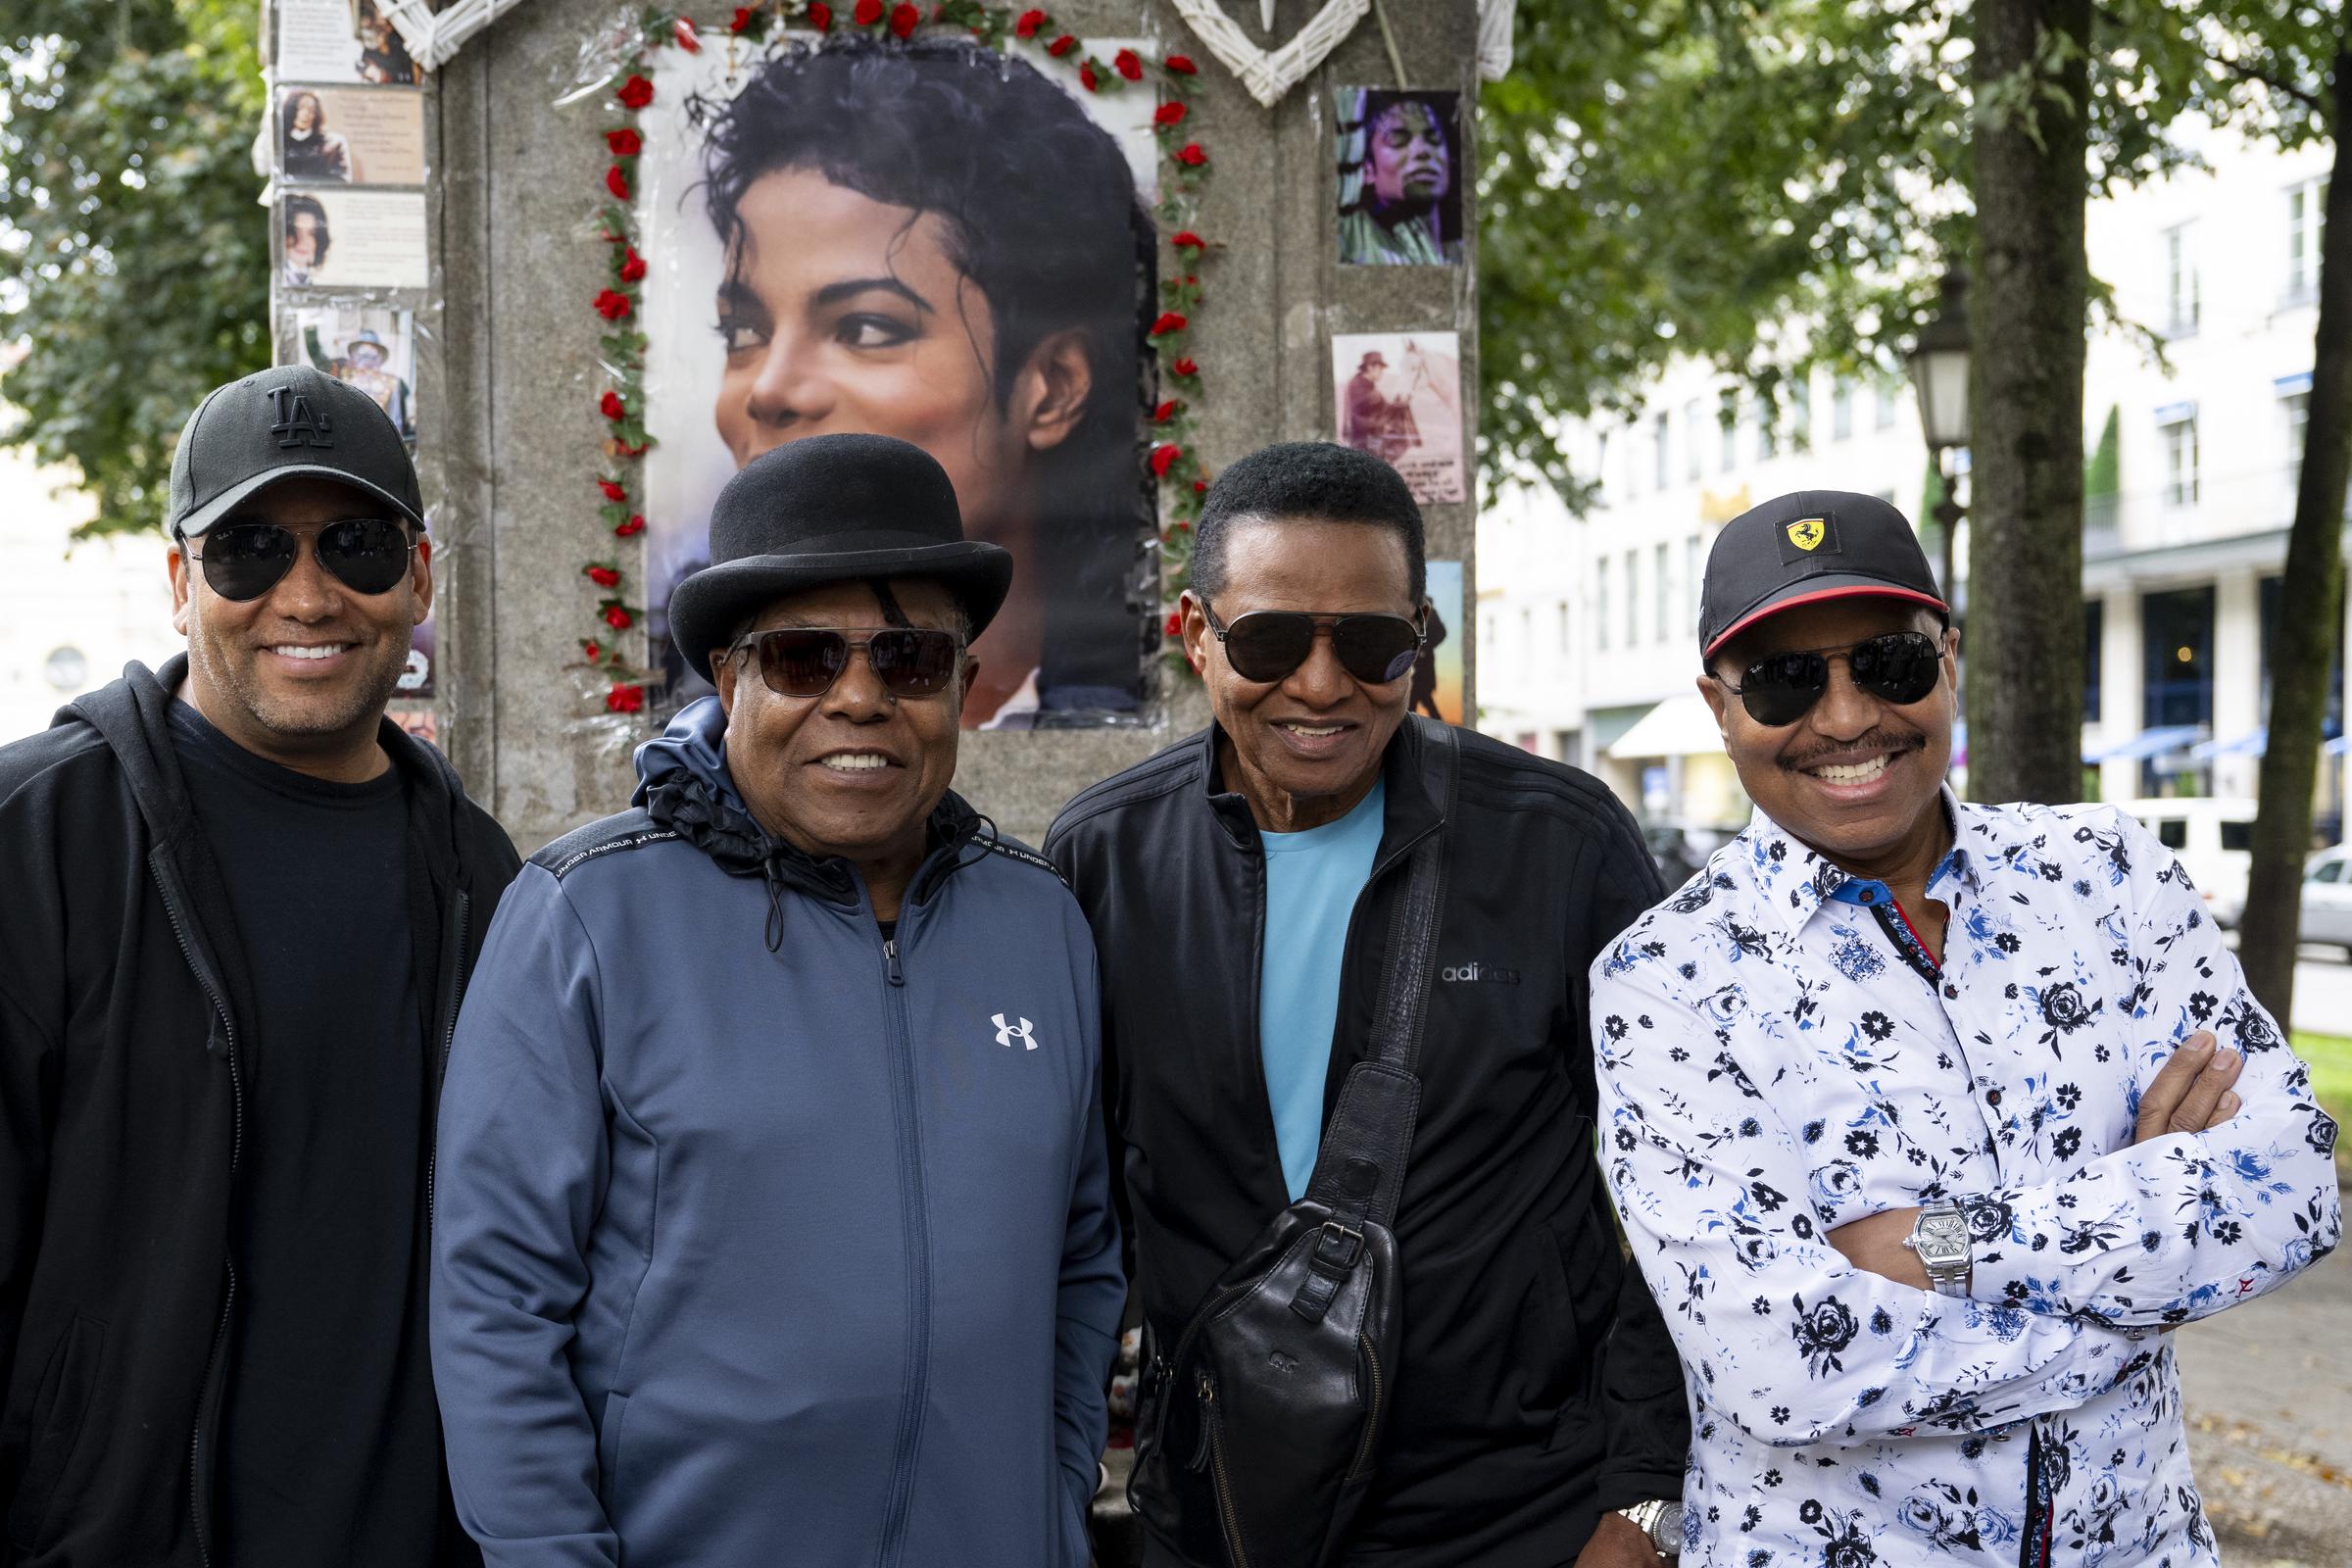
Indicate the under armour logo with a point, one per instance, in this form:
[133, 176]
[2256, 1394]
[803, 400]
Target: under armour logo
[1006, 1033]
[298, 424]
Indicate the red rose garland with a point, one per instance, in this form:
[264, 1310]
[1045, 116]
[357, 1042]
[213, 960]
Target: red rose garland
[1181, 477]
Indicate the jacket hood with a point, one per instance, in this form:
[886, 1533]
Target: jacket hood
[683, 784]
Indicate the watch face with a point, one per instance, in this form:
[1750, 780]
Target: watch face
[1944, 1239]
[1666, 1531]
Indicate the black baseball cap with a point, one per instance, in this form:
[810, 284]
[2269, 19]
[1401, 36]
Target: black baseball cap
[1804, 548]
[285, 424]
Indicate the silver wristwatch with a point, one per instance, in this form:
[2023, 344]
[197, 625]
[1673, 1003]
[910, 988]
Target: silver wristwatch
[1940, 1238]
[1662, 1523]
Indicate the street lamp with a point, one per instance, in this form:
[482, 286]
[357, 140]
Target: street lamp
[1939, 364]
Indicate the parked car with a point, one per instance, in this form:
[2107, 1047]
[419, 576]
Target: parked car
[2214, 837]
[2327, 898]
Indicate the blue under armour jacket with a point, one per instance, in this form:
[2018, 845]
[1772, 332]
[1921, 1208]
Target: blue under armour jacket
[758, 1240]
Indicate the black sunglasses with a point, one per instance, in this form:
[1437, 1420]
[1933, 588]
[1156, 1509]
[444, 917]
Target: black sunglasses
[1899, 666]
[806, 661]
[244, 560]
[1266, 645]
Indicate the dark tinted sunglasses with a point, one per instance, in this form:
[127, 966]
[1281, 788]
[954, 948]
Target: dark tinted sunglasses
[1266, 645]
[244, 560]
[806, 661]
[1901, 666]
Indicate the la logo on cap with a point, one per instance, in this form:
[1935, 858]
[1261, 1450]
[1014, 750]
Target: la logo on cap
[1807, 533]
[298, 424]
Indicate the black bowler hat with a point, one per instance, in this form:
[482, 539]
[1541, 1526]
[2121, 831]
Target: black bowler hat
[832, 509]
[290, 422]
[1805, 548]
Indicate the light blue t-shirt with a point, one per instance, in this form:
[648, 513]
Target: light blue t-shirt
[1312, 879]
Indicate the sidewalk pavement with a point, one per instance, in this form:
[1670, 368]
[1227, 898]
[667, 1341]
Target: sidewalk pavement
[2267, 1388]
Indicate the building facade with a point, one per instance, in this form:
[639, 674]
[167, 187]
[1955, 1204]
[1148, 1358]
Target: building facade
[70, 618]
[2195, 394]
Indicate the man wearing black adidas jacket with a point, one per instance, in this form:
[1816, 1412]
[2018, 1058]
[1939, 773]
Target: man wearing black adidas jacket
[1238, 884]
[240, 908]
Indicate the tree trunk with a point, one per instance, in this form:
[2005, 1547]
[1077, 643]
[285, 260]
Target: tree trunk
[2023, 650]
[2310, 608]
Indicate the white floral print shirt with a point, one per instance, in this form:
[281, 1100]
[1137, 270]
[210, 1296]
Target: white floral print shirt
[1779, 1055]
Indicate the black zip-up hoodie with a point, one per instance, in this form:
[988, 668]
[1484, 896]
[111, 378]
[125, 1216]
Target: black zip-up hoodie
[1538, 1383]
[123, 1004]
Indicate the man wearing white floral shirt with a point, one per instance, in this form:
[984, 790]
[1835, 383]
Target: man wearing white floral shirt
[1916, 1115]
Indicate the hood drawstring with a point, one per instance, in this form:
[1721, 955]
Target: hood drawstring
[775, 902]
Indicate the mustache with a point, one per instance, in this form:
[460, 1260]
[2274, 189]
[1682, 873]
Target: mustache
[1879, 738]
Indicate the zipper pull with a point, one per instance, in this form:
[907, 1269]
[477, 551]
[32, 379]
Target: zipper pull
[890, 953]
[1209, 1400]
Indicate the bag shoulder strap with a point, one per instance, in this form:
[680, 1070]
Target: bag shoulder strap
[1359, 1169]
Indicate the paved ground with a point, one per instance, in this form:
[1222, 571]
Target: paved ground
[2324, 993]
[2269, 1393]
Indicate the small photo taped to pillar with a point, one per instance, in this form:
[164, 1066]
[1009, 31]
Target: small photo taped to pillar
[1399, 177]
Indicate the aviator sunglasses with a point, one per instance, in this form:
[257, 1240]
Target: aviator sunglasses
[243, 561]
[1266, 645]
[1899, 666]
[806, 661]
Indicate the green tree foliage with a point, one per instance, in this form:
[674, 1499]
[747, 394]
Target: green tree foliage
[2103, 473]
[1765, 185]
[136, 255]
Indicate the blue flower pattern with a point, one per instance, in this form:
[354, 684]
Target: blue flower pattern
[1779, 1055]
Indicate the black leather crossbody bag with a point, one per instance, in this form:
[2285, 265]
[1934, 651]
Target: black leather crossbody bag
[1261, 1427]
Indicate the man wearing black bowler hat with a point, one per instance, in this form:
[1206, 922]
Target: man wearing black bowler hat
[242, 907]
[1915, 1111]
[772, 1222]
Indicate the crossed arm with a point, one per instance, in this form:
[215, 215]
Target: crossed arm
[2192, 1093]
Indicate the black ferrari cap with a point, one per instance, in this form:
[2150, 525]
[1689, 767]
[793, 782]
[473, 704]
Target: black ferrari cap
[285, 424]
[1802, 549]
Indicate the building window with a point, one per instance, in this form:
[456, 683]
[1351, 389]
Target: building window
[1632, 606]
[1800, 424]
[1570, 743]
[2306, 223]
[2179, 459]
[2094, 626]
[1888, 391]
[1841, 409]
[2268, 597]
[1693, 420]
[1768, 443]
[2180, 279]
[1660, 426]
[1563, 614]
[1696, 550]
[2296, 407]
[1727, 423]
[1662, 587]
[1600, 464]
[1600, 601]
[2176, 634]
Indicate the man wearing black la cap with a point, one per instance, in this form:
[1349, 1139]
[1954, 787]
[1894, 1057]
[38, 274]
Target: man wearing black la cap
[243, 906]
[1915, 1111]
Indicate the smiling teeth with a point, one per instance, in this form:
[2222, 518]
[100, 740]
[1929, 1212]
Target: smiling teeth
[1856, 773]
[1318, 731]
[292, 651]
[857, 762]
